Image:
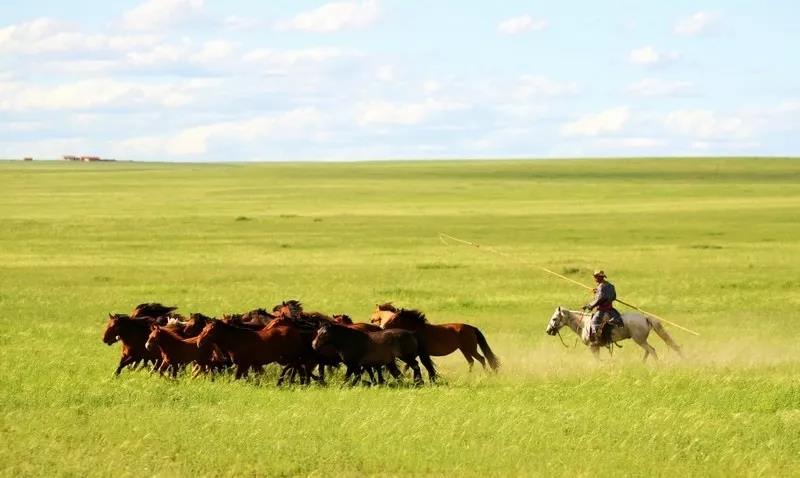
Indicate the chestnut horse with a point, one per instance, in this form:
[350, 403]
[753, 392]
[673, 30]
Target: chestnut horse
[359, 349]
[133, 334]
[252, 349]
[177, 351]
[440, 339]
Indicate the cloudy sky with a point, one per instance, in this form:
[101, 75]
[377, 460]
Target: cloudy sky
[202, 80]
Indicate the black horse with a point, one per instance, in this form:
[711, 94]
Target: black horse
[359, 350]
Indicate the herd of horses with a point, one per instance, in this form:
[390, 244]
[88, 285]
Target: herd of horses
[300, 342]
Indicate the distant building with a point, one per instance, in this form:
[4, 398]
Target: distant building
[27, 159]
[85, 159]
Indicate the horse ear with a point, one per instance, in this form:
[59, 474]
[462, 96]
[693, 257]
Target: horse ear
[559, 309]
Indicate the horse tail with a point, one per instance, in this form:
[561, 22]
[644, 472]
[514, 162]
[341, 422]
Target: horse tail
[424, 356]
[494, 362]
[655, 324]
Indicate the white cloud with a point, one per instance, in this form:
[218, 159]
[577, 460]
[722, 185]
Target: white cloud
[388, 112]
[649, 56]
[634, 142]
[657, 87]
[531, 86]
[213, 51]
[385, 73]
[704, 124]
[46, 35]
[159, 14]
[335, 16]
[299, 123]
[91, 94]
[608, 121]
[292, 57]
[696, 23]
[521, 24]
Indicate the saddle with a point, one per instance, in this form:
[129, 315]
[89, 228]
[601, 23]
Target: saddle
[613, 320]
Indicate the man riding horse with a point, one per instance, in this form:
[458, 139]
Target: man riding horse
[606, 317]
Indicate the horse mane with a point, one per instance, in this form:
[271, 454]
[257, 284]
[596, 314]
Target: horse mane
[387, 306]
[232, 325]
[152, 307]
[342, 319]
[410, 316]
[144, 321]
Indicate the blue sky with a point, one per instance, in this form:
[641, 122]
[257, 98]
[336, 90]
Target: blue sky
[196, 80]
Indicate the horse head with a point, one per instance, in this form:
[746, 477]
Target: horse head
[342, 319]
[209, 332]
[195, 324]
[323, 336]
[111, 333]
[558, 320]
[383, 312]
[152, 339]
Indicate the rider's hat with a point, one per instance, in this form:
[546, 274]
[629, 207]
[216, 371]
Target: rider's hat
[599, 273]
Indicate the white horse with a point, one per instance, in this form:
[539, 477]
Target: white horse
[636, 326]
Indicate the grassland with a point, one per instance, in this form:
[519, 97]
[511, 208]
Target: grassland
[712, 244]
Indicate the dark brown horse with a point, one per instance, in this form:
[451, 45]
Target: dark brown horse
[440, 339]
[152, 309]
[133, 335]
[177, 352]
[239, 321]
[195, 324]
[258, 315]
[252, 349]
[359, 349]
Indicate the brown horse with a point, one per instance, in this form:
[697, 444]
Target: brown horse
[133, 334]
[362, 326]
[252, 349]
[359, 349]
[440, 339]
[177, 352]
[152, 309]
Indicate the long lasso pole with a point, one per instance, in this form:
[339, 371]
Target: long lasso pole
[443, 237]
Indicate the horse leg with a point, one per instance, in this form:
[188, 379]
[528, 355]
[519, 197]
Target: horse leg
[175, 368]
[371, 375]
[379, 370]
[393, 370]
[595, 351]
[241, 370]
[123, 362]
[649, 350]
[282, 375]
[412, 362]
[470, 361]
[357, 375]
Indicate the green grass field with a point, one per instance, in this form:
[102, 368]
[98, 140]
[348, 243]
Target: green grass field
[712, 244]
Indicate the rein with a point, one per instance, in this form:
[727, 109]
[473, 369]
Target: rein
[562, 340]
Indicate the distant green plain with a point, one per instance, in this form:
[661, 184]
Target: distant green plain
[712, 244]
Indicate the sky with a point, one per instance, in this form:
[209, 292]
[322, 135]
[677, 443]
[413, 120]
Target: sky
[203, 80]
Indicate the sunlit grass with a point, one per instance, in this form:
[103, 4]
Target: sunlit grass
[710, 244]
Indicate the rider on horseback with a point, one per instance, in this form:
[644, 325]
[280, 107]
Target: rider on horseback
[605, 294]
